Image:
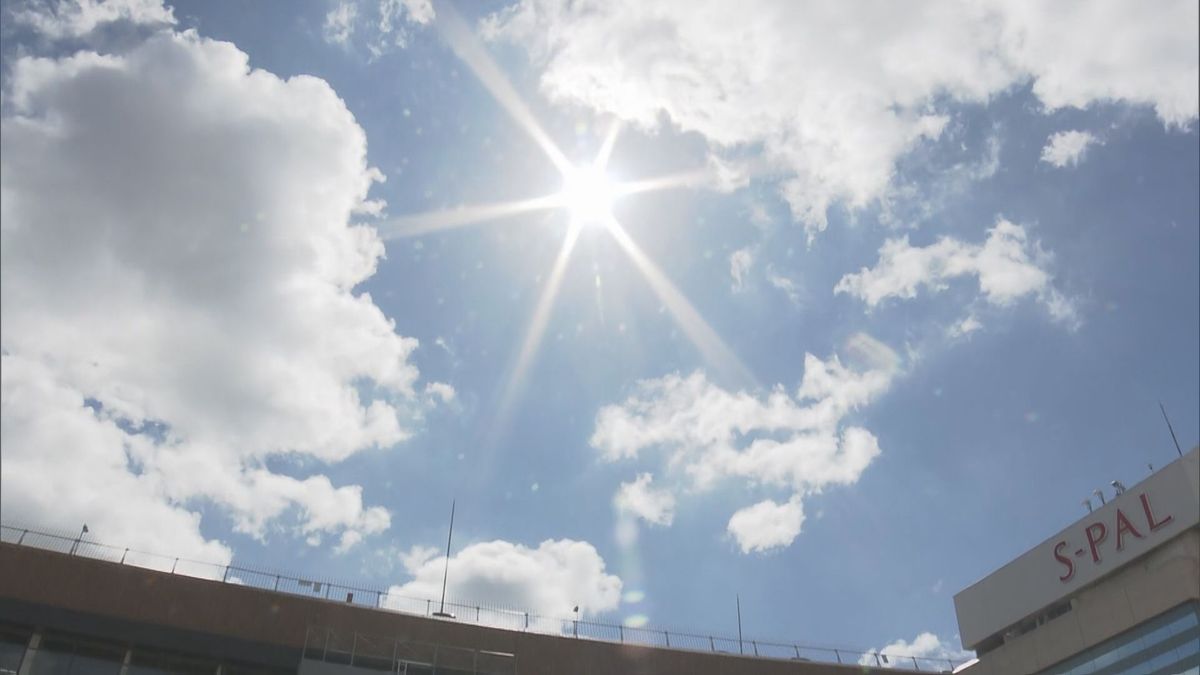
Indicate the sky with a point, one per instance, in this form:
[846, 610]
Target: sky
[831, 307]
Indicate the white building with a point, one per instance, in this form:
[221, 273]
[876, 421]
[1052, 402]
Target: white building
[1117, 591]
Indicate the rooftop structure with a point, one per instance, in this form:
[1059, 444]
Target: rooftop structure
[1116, 591]
[67, 597]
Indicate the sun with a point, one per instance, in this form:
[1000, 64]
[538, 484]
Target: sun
[588, 195]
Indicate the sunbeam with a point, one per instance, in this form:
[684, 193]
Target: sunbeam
[533, 335]
[711, 346]
[683, 179]
[466, 46]
[448, 219]
[610, 140]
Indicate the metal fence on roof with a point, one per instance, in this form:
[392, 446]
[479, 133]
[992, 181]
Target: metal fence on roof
[469, 612]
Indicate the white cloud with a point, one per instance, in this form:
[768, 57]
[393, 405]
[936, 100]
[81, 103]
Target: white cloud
[969, 324]
[640, 499]
[1067, 147]
[833, 92]
[178, 267]
[76, 18]
[789, 288]
[385, 25]
[899, 654]
[339, 23]
[549, 580]
[799, 444]
[767, 525]
[1006, 265]
[740, 262]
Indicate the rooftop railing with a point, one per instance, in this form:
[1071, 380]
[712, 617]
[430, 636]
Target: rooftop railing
[468, 612]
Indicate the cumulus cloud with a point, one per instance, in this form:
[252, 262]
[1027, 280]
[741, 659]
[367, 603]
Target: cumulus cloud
[549, 580]
[384, 25]
[76, 18]
[640, 499]
[1006, 266]
[832, 93]
[766, 525]
[899, 654]
[797, 443]
[1067, 147]
[178, 274]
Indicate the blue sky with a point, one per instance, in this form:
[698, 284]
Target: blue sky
[923, 288]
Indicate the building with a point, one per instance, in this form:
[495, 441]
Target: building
[1117, 591]
[73, 607]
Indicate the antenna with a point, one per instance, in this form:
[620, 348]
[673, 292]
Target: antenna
[1170, 428]
[446, 571]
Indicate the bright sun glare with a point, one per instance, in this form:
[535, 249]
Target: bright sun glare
[588, 194]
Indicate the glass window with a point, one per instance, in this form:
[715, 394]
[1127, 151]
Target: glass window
[1165, 645]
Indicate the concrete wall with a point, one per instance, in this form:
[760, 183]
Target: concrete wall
[1161, 580]
[35, 578]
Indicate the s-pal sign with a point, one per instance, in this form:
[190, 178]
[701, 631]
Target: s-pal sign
[1097, 534]
[1130, 525]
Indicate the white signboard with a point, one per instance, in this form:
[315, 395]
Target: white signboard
[1128, 526]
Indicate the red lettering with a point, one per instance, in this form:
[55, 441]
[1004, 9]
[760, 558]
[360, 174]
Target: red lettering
[1123, 526]
[1065, 561]
[1150, 514]
[1096, 533]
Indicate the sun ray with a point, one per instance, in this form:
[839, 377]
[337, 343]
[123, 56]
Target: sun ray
[533, 334]
[448, 219]
[711, 346]
[466, 46]
[610, 140]
[682, 179]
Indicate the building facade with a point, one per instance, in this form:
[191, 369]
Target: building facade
[1117, 591]
[65, 612]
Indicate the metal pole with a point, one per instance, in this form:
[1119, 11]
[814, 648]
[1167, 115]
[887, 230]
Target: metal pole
[22, 537]
[173, 566]
[446, 570]
[127, 553]
[741, 646]
[1170, 428]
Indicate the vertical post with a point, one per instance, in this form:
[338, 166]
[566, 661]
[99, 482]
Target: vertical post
[22, 537]
[353, 646]
[124, 554]
[446, 570]
[476, 613]
[276, 582]
[225, 577]
[527, 622]
[877, 660]
[711, 645]
[797, 651]
[35, 643]
[755, 644]
[621, 632]
[174, 565]
[325, 650]
[741, 645]
[839, 656]
[667, 636]
[915, 666]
